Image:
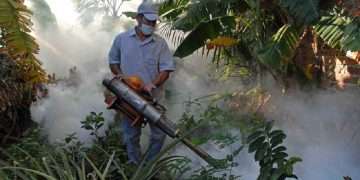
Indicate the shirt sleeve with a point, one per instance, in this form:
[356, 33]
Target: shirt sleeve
[115, 54]
[166, 62]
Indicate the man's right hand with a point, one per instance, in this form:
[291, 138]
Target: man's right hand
[119, 76]
[115, 69]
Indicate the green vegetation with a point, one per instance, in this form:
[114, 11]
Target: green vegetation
[16, 41]
[272, 36]
[246, 38]
[19, 69]
[105, 158]
[271, 155]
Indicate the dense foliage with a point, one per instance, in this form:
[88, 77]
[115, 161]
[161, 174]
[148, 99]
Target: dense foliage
[15, 28]
[15, 101]
[266, 34]
[244, 36]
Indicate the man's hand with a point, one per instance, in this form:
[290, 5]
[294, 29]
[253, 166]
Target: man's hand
[119, 76]
[161, 78]
[115, 69]
[149, 87]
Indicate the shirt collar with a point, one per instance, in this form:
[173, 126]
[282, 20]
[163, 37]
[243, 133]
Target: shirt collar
[132, 32]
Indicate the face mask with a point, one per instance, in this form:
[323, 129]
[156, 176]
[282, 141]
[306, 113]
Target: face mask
[146, 29]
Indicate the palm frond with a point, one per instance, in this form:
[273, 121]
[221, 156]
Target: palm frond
[15, 24]
[339, 31]
[171, 9]
[281, 48]
[167, 30]
[330, 29]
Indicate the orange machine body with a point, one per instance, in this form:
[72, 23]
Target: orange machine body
[113, 102]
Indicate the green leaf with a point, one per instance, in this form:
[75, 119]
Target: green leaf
[294, 160]
[275, 133]
[170, 10]
[15, 26]
[280, 155]
[280, 49]
[292, 176]
[288, 169]
[279, 161]
[265, 172]
[87, 127]
[279, 149]
[31, 171]
[275, 176]
[256, 144]
[351, 38]
[254, 135]
[267, 159]
[47, 167]
[106, 170]
[330, 29]
[339, 31]
[202, 32]
[280, 136]
[260, 153]
[278, 139]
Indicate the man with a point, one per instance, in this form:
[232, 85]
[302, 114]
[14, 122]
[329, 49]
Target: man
[142, 53]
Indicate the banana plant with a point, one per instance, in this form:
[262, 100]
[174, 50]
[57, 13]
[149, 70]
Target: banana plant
[339, 30]
[268, 32]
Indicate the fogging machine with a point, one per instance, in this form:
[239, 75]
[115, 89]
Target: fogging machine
[140, 108]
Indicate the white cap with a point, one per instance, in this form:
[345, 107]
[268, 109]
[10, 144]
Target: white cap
[149, 11]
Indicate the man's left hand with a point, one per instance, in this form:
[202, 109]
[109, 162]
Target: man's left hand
[149, 87]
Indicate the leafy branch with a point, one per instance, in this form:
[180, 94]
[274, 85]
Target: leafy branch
[270, 153]
[15, 26]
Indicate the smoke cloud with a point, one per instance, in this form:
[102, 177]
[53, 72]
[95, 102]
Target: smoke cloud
[71, 47]
[322, 128]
